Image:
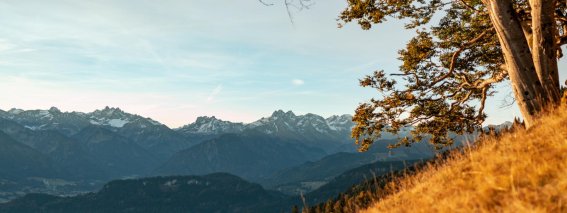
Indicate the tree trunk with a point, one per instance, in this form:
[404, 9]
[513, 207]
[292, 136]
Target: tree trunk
[544, 49]
[528, 32]
[528, 90]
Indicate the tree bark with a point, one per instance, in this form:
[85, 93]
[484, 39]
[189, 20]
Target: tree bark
[545, 49]
[528, 90]
[528, 32]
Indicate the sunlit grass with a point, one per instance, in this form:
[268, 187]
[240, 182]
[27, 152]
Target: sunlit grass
[523, 171]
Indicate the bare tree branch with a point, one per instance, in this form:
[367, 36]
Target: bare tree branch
[468, 5]
[265, 4]
[482, 103]
[507, 104]
[456, 56]
[298, 5]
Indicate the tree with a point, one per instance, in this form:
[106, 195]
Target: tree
[450, 68]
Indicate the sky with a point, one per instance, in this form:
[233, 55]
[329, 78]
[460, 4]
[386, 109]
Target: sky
[175, 60]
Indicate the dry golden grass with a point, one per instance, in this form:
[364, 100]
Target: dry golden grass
[525, 171]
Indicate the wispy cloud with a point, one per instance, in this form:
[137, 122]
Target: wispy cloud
[297, 82]
[214, 93]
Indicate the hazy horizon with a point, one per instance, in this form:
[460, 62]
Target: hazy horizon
[186, 123]
[177, 60]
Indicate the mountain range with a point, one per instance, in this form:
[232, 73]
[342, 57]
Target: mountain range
[313, 130]
[146, 132]
[272, 160]
[78, 151]
[162, 140]
[67, 153]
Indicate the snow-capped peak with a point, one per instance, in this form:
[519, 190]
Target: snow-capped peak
[110, 111]
[114, 117]
[117, 122]
[15, 111]
[54, 110]
[211, 125]
[278, 115]
[281, 114]
[340, 123]
[207, 119]
[289, 122]
[316, 122]
[505, 125]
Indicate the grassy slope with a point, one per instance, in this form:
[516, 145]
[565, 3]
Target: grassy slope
[525, 171]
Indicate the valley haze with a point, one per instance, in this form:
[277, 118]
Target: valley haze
[70, 153]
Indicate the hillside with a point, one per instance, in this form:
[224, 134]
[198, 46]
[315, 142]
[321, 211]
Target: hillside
[218, 192]
[518, 172]
[248, 156]
[118, 155]
[66, 153]
[311, 175]
[358, 176]
[18, 161]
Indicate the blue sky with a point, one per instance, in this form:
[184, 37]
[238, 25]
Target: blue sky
[174, 60]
